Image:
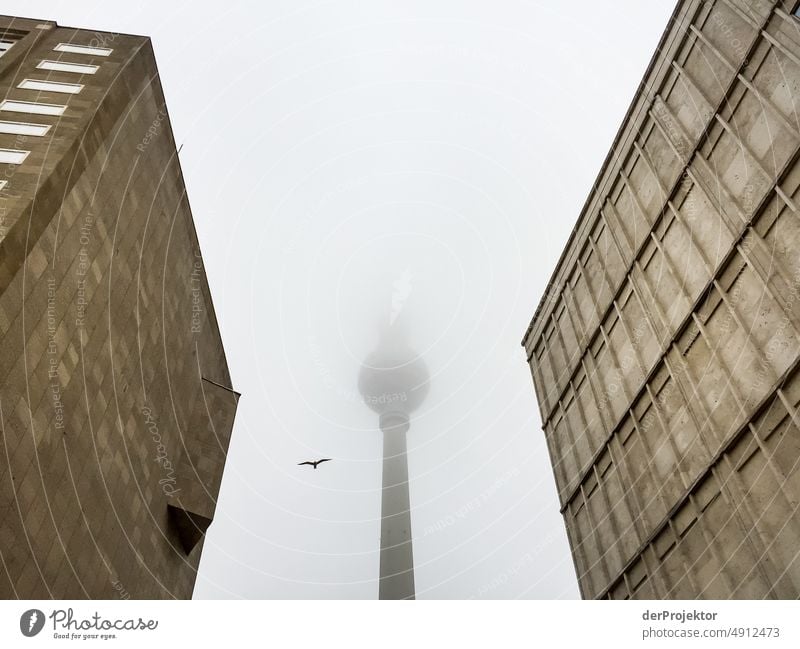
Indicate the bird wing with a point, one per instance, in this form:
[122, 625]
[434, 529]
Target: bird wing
[302, 463]
[326, 459]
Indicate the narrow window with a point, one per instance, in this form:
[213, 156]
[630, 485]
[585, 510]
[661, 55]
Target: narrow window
[23, 128]
[50, 86]
[83, 49]
[8, 37]
[32, 107]
[13, 156]
[59, 66]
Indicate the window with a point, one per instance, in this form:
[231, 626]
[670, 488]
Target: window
[32, 107]
[3, 183]
[58, 66]
[83, 49]
[8, 37]
[13, 156]
[50, 86]
[23, 128]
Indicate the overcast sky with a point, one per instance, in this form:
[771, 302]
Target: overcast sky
[346, 160]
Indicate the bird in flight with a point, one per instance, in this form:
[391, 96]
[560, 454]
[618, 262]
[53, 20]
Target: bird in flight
[315, 463]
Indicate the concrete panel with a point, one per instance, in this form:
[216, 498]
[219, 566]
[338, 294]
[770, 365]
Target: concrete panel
[102, 354]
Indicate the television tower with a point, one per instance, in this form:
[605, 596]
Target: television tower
[394, 382]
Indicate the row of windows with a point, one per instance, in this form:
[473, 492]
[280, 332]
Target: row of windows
[8, 37]
[17, 156]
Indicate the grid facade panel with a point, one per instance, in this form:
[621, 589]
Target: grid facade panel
[678, 299]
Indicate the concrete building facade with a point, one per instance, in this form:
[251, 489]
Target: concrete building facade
[665, 351]
[116, 406]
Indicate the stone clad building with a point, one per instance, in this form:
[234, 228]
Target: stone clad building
[116, 406]
[665, 352]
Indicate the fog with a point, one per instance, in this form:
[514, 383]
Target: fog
[355, 163]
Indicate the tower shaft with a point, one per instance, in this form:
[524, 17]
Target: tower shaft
[397, 560]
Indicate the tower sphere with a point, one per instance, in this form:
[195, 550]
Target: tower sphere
[393, 378]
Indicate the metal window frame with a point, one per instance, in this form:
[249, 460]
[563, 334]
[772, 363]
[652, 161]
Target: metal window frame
[3, 123]
[67, 66]
[24, 154]
[55, 86]
[75, 48]
[5, 102]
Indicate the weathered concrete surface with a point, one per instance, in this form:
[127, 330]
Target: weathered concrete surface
[665, 351]
[115, 398]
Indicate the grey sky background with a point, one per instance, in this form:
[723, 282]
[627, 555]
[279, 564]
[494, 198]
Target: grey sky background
[348, 160]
